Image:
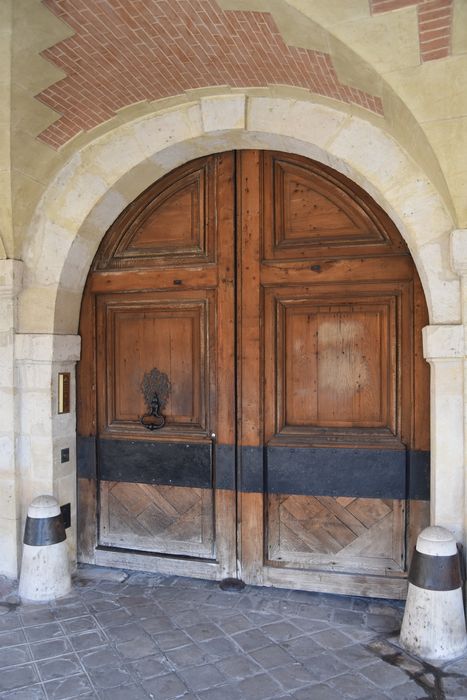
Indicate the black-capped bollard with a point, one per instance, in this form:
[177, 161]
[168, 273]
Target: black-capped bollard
[433, 627]
[45, 569]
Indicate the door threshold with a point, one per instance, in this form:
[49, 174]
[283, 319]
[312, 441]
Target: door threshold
[153, 563]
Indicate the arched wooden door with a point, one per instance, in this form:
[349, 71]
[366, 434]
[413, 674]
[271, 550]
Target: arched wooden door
[276, 313]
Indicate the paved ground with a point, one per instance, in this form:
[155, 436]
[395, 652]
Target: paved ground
[129, 636]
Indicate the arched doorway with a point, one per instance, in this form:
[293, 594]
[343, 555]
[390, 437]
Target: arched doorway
[276, 312]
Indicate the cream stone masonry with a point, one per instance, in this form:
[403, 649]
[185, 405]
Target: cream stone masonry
[10, 503]
[459, 264]
[43, 432]
[6, 220]
[228, 110]
[443, 347]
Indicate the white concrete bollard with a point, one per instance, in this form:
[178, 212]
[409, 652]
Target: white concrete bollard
[433, 627]
[45, 570]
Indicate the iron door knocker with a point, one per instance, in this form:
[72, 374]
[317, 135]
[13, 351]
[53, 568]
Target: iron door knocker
[156, 389]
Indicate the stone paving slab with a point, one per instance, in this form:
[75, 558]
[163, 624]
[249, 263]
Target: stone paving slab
[133, 636]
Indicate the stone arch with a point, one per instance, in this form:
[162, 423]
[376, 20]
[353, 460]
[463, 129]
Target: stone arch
[99, 181]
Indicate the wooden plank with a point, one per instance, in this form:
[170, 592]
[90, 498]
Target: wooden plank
[284, 274]
[250, 371]
[86, 427]
[144, 280]
[222, 386]
[141, 561]
[421, 412]
[308, 532]
[343, 513]
[340, 583]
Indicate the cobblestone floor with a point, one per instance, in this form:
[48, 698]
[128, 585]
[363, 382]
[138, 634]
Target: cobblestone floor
[129, 636]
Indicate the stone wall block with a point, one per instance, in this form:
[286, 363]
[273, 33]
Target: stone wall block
[443, 342]
[101, 217]
[442, 288]
[447, 472]
[9, 497]
[44, 432]
[358, 141]
[7, 453]
[176, 125]
[302, 120]
[7, 397]
[112, 156]
[223, 112]
[422, 212]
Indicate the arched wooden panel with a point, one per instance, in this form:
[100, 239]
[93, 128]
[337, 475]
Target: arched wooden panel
[312, 212]
[171, 223]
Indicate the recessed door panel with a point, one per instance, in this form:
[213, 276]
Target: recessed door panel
[339, 534]
[335, 358]
[155, 488]
[163, 332]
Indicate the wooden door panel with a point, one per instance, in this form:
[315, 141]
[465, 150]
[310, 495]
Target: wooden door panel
[166, 519]
[311, 213]
[172, 223]
[156, 494]
[159, 331]
[335, 460]
[335, 335]
[338, 534]
[329, 361]
[161, 296]
[333, 367]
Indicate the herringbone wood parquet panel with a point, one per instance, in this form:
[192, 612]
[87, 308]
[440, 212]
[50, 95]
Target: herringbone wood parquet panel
[157, 518]
[338, 533]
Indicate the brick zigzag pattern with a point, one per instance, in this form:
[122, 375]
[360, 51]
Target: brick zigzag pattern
[128, 51]
[434, 24]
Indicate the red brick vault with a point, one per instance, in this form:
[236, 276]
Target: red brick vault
[127, 51]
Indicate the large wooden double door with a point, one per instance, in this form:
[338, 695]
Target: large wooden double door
[269, 311]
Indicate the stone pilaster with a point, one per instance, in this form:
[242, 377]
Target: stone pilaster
[444, 349]
[10, 285]
[44, 432]
[459, 265]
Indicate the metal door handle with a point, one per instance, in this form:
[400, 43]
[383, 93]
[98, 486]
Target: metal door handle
[156, 389]
[154, 419]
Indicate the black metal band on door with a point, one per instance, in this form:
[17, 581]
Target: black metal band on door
[293, 471]
[164, 463]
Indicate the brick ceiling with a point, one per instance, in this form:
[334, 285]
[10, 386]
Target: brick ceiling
[127, 51]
